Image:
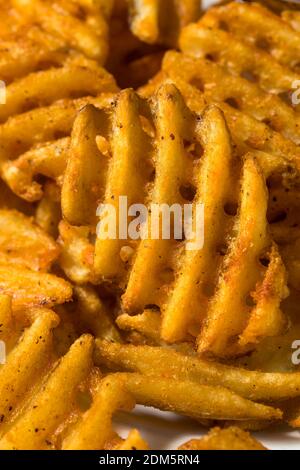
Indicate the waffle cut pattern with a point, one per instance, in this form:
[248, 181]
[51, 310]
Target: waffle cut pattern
[178, 155]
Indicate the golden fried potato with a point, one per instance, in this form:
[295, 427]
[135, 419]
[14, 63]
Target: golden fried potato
[48, 211]
[42, 125]
[76, 257]
[231, 438]
[147, 323]
[93, 315]
[185, 285]
[124, 166]
[166, 362]
[241, 59]
[154, 21]
[134, 441]
[153, 269]
[22, 242]
[80, 25]
[47, 86]
[84, 175]
[28, 51]
[49, 160]
[95, 428]
[265, 318]
[257, 25]
[275, 151]
[211, 332]
[194, 400]
[52, 402]
[31, 288]
[43, 120]
[246, 96]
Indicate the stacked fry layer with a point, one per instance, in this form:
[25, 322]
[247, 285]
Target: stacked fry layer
[162, 104]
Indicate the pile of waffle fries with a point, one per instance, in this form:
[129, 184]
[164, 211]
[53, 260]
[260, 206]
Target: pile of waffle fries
[160, 103]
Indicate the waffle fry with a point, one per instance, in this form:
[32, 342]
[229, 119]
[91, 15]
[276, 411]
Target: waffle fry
[45, 125]
[119, 168]
[175, 293]
[31, 288]
[49, 160]
[251, 59]
[40, 88]
[249, 42]
[194, 265]
[224, 439]
[32, 360]
[255, 24]
[83, 401]
[193, 400]
[110, 174]
[266, 294]
[28, 51]
[124, 165]
[44, 129]
[23, 242]
[79, 25]
[160, 22]
[240, 93]
[166, 362]
[207, 333]
[275, 153]
[41, 65]
[241, 59]
[145, 283]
